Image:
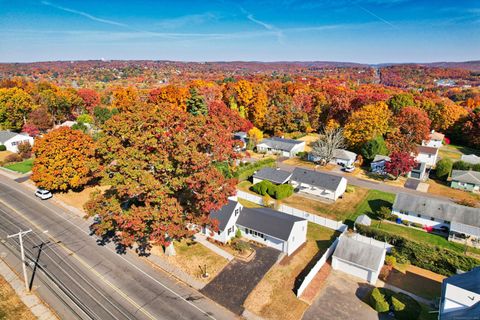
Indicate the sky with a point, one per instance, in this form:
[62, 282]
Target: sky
[364, 31]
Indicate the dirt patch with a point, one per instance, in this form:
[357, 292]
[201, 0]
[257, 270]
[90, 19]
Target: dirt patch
[365, 174]
[11, 307]
[441, 189]
[78, 199]
[421, 282]
[309, 139]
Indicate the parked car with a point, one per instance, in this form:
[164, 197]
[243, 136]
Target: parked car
[349, 168]
[43, 194]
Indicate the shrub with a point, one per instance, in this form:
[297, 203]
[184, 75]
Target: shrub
[384, 212]
[461, 165]
[14, 157]
[283, 191]
[25, 150]
[417, 225]
[405, 307]
[443, 169]
[303, 155]
[390, 261]
[378, 301]
[245, 172]
[238, 233]
[476, 167]
[350, 189]
[467, 203]
[263, 187]
[3, 147]
[241, 246]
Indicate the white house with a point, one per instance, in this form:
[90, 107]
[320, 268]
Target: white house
[462, 222]
[470, 158]
[320, 184]
[344, 157]
[435, 140]
[461, 296]
[12, 139]
[284, 147]
[266, 226]
[358, 258]
[273, 175]
[428, 155]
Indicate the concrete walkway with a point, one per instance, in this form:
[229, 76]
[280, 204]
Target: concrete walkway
[382, 284]
[202, 239]
[32, 302]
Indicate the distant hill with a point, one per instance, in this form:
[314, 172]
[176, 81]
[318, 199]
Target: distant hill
[466, 65]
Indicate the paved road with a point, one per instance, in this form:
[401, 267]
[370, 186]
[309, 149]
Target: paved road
[368, 183]
[107, 285]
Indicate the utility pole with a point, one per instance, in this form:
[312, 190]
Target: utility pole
[22, 252]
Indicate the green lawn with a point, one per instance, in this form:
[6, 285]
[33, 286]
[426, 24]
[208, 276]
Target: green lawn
[374, 200]
[22, 167]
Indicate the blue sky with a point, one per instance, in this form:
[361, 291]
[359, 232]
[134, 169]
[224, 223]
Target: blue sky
[368, 31]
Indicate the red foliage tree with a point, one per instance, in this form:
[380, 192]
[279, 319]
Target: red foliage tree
[471, 128]
[400, 163]
[90, 98]
[30, 129]
[411, 126]
[41, 119]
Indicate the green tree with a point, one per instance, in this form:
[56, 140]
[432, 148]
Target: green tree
[196, 103]
[444, 168]
[373, 147]
[400, 101]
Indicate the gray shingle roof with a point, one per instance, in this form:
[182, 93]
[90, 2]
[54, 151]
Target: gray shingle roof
[281, 143]
[359, 253]
[268, 221]
[273, 175]
[465, 229]
[471, 313]
[6, 135]
[471, 158]
[466, 176]
[316, 178]
[344, 154]
[438, 209]
[224, 214]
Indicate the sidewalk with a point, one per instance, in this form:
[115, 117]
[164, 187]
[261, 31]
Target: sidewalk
[202, 239]
[32, 302]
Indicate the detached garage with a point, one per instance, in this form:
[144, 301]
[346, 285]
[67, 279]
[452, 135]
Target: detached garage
[358, 258]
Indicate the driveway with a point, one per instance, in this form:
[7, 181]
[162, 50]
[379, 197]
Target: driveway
[341, 299]
[232, 286]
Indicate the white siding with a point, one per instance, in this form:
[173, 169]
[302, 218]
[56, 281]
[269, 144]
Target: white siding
[266, 240]
[342, 186]
[224, 235]
[297, 237]
[432, 143]
[351, 269]
[458, 298]
[256, 180]
[12, 143]
[429, 159]
[424, 220]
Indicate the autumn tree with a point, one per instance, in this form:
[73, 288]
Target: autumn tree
[374, 147]
[324, 147]
[255, 135]
[15, 104]
[30, 129]
[367, 123]
[64, 159]
[399, 101]
[412, 125]
[443, 113]
[471, 128]
[41, 119]
[400, 163]
[171, 95]
[160, 166]
[123, 98]
[90, 98]
[196, 104]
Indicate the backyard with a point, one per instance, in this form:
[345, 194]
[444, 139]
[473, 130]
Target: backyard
[11, 307]
[373, 201]
[273, 297]
[21, 167]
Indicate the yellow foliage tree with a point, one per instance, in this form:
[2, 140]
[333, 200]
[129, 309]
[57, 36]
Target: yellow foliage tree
[365, 124]
[258, 109]
[255, 135]
[244, 91]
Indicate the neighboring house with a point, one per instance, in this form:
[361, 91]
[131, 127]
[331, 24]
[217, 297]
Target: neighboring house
[462, 222]
[320, 184]
[344, 157]
[268, 227]
[11, 140]
[419, 171]
[461, 296]
[358, 258]
[284, 147]
[470, 158]
[435, 140]
[273, 175]
[465, 180]
[378, 163]
[428, 155]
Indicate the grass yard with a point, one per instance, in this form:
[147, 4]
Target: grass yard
[364, 173]
[273, 297]
[373, 201]
[190, 255]
[78, 199]
[248, 204]
[416, 280]
[245, 186]
[341, 209]
[443, 189]
[459, 150]
[11, 307]
[4, 154]
[22, 167]
[309, 139]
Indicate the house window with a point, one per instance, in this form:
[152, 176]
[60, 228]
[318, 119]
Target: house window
[419, 215]
[219, 232]
[446, 221]
[236, 212]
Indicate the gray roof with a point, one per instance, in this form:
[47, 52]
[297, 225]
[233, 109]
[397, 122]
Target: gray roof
[442, 210]
[269, 222]
[6, 135]
[359, 253]
[273, 175]
[281, 143]
[465, 229]
[363, 219]
[316, 178]
[471, 158]
[380, 157]
[344, 154]
[470, 176]
[224, 214]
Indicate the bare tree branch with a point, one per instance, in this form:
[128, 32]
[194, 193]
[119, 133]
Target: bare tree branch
[331, 139]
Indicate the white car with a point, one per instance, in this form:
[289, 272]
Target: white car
[349, 168]
[43, 194]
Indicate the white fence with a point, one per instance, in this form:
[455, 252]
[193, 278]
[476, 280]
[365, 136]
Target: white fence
[313, 272]
[372, 241]
[325, 222]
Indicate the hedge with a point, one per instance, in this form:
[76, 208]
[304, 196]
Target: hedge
[378, 301]
[3, 147]
[278, 192]
[439, 260]
[245, 172]
[462, 165]
[283, 191]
